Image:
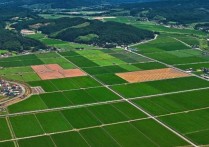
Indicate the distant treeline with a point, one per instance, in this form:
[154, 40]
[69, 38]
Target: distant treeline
[94, 32]
[180, 11]
[8, 12]
[203, 27]
[67, 3]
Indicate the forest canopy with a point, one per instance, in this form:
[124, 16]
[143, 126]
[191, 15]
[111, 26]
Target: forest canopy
[93, 32]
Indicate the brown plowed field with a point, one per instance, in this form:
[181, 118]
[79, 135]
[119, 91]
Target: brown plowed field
[54, 71]
[152, 75]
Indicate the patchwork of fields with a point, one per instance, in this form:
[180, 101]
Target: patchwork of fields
[101, 108]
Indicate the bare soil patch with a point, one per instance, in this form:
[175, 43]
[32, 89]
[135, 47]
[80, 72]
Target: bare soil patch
[54, 71]
[152, 75]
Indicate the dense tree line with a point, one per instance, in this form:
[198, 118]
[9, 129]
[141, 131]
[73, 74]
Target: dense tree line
[8, 12]
[203, 27]
[180, 11]
[107, 32]
[94, 32]
[12, 41]
[62, 23]
[67, 3]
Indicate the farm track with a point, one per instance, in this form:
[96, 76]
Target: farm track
[147, 41]
[100, 103]
[150, 116]
[110, 124]
[139, 108]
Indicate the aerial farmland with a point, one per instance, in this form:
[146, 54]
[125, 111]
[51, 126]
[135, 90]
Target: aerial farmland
[89, 77]
[85, 97]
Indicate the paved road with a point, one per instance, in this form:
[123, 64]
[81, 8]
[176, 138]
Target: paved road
[132, 45]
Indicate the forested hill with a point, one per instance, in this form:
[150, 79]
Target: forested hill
[8, 12]
[179, 11]
[67, 3]
[86, 31]
[13, 41]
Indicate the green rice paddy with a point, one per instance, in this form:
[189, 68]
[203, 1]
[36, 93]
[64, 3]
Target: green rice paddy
[101, 109]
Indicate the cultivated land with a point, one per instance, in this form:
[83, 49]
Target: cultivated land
[103, 109]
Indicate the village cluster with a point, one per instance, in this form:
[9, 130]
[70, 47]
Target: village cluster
[8, 89]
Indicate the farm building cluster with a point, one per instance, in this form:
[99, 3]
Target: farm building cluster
[9, 89]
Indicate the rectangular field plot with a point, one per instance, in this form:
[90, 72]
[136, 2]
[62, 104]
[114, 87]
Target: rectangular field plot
[127, 135]
[63, 99]
[53, 122]
[32, 103]
[27, 77]
[128, 110]
[135, 135]
[102, 138]
[71, 138]
[43, 141]
[158, 87]
[26, 125]
[54, 71]
[23, 77]
[55, 100]
[26, 60]
[46, 85]
[79, 97]
[16, 70]
[163, 137]
[129, 67]
[110, 79]
[189, 40]
[55, 60]
[102, 94]
[66, 83]
[129, 57]
[91, 95]
[149, 65]
[81, 61]
[81, 118]
[48, 55]
[100, 57]
[175, 103]
[194, 125]
[152, 75]
[177, 57]
[104, 70]
[7, 144]
[69, 54]
[107, 114]
[24, 73]
[162, 43]
[4, 130]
